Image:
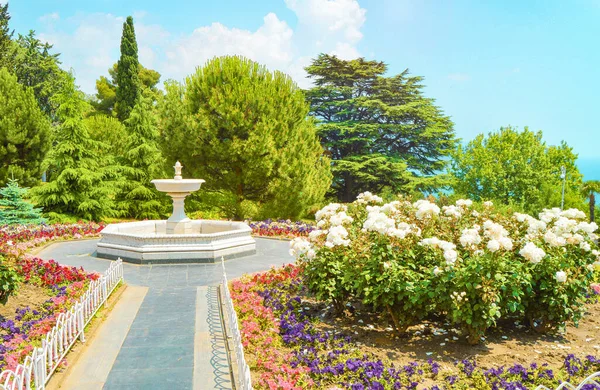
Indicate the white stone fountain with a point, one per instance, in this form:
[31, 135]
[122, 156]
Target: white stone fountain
[178, 239]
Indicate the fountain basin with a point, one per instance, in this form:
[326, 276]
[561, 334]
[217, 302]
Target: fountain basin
[177, 185]
[147, 242]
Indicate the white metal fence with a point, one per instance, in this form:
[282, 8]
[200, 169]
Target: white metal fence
[590, 380]
[36, 370]
[243, 371]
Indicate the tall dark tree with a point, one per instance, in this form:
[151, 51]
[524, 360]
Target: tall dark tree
[128, 81]
[106, 88]
[24, 132]
[5, 37]
[381, 132]
[79, 184]
[141, 162]
[38, 68]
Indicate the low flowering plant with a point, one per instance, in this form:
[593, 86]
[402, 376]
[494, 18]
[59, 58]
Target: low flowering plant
[292, 353]
[282, 228]
[468, 262]
[65, 285]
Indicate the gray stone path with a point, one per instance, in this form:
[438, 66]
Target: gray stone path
[175, 340]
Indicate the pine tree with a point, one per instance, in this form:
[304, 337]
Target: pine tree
[14, 209]
[245, 131]
[5, 38]
[381, 132]
[80, 185]
[128, 82]
[141, 162]
[24, 132]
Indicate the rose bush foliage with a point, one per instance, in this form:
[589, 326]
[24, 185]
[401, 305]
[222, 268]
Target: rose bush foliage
[469, 262]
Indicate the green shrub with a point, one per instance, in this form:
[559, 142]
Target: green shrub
[9, 282]
[471, 263]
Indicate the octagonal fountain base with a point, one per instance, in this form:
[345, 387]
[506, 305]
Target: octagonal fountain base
[147, 242]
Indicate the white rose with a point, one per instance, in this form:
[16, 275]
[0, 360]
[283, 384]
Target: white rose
[493, 245]
[560, 277]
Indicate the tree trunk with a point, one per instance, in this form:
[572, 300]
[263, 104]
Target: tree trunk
[592, 206]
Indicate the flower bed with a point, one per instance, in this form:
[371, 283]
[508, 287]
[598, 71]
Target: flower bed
[467, 263]
[280, 228]
[287, 349]
[62, 285]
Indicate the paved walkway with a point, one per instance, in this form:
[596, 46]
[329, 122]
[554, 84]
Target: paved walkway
[175, 339]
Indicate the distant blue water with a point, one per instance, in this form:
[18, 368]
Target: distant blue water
[589, 167]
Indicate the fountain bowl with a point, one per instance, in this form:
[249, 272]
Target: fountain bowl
[147, 242]
[177, 185]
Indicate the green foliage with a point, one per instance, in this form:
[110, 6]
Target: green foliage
[470, 263]
[518, 169]
[379, 131]
[10, 281]
[106, 95]
[6, 48]
[141, 162]
[244, 130]
[128, 81]
[79, 184]
[24, 138]
[109, 134]
[37, 68]
[14, 209]
[589, 189]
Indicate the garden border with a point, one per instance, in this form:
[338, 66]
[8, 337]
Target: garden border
[233, 330]
[41, 364]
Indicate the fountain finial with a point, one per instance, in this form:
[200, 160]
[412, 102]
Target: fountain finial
[178, 167]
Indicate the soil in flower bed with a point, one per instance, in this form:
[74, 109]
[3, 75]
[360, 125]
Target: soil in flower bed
[29, 295]
[509, 343]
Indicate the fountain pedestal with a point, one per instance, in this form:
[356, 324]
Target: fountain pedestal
[178, 239]
[178, 222]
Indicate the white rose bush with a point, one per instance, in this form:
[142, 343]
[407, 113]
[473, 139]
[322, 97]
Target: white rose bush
[467, 262]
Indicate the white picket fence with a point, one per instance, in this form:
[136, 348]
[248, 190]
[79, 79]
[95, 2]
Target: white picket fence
[36, 370]
[590, 380]
[243, 371]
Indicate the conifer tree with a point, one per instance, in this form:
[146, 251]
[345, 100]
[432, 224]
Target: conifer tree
[14, 209]
[141, 162]
[24, 132]
[5, 37]
[381, 132]
[128, 82]
[245, 131]
[79, 184]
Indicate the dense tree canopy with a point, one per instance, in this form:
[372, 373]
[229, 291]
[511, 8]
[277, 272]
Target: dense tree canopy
[24, 132]
[79, 183]
[36, 67]
[517, 168]
[245, 131]
[6, 34]
[380, 131]
[106, 88]
[141, 162]
[128, 82]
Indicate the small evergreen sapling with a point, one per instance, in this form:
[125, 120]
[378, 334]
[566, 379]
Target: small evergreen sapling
[16, 210]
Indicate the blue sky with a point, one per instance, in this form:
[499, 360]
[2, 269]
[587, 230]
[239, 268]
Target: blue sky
[487, 64]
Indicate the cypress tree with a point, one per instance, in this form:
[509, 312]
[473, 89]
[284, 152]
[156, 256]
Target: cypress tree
[141, 162]
[14, 209]
[128, 82]
[24, 132]
[80, 185]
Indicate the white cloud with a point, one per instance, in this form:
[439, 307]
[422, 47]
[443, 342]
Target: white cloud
[50, 18]
[92, 45]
